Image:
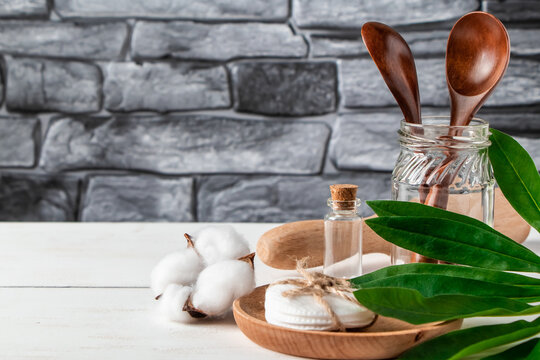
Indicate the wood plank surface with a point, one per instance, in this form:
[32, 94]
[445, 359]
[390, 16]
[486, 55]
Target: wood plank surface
[52, 323]
[93, 254]
[104, 323]
[79, 291]
[115, 254]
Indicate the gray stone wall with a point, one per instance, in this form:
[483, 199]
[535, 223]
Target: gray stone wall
[222, 110]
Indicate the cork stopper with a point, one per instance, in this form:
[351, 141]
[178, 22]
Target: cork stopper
[344, 196]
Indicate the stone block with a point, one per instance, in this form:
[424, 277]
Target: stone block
[189, 40]
[519, 86]
[512, 120]
[185, 144]
[164, 87]
[63, 39]
[2, 84]
[429, 42]
[363, 85]
[366, 141]
[23, 8]
[336, 46]
[515, 10]
[432, 42]
[18, 141]
[352, 14]
[47, 85]
[38, 198]
[280, 198]
[285, 88]
[137, 198]
[525, 42]
[178, 9]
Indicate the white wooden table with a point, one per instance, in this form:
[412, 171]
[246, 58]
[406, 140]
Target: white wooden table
[80, 291]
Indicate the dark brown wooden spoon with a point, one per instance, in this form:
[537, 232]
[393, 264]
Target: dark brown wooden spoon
[477, 56]
[396, 64]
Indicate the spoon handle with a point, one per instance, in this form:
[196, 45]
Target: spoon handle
[395, 62]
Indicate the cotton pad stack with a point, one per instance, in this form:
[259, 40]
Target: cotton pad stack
[303, 312]
[205, 278]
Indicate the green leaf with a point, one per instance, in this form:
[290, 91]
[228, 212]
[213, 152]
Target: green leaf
[410, 306]
[456, 242]
[448, 270]
[412, 209]
[516, 175]
[461, 343]
[534, 354]
[431, 280]
[433, 285]
[525, 351]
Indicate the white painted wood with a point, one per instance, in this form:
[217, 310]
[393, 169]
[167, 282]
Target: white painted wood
[93, 254]
[115, 254]
[98, 324]
[38, 320]
[109, 254]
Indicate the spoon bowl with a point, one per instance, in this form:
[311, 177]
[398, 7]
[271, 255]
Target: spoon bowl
[477, 56]
[395, 62]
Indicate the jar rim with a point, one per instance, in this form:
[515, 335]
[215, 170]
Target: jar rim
[476, 123]
[436, 131]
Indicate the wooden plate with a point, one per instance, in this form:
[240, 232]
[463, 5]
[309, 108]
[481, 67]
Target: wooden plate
[387, 338]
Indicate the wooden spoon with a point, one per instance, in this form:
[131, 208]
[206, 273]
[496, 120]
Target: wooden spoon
[477, 56]
[395, 61]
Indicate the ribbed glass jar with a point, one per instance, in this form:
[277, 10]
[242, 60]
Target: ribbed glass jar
[444, 166]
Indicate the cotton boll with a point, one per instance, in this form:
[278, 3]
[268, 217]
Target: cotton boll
[172, 302]
[180, 267]
[218, 243]
[220, 284]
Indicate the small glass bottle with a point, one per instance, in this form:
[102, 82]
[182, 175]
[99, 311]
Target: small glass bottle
[343, 233]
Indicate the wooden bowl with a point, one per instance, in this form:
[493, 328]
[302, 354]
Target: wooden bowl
[387, 338]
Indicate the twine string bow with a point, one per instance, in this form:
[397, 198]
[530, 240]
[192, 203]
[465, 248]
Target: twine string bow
[319, 285]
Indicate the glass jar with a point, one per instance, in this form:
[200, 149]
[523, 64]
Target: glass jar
[343, 239]
[446, 167]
